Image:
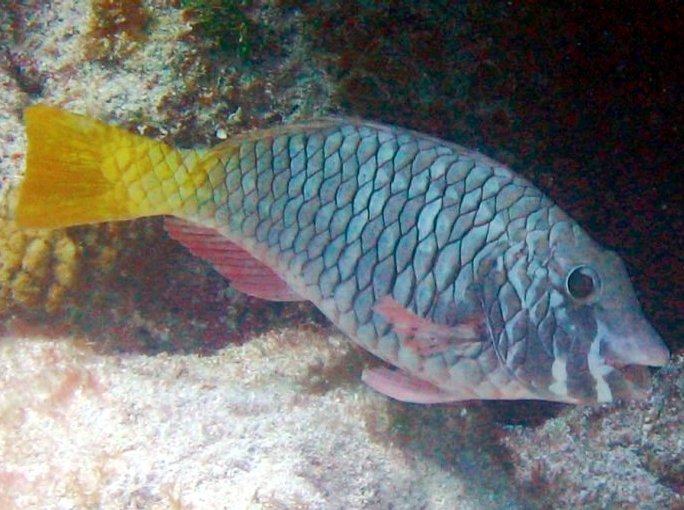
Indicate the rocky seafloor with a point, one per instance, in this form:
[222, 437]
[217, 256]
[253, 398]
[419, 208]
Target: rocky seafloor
[133, 376]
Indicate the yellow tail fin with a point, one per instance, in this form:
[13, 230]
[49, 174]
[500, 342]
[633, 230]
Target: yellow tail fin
[81, 170]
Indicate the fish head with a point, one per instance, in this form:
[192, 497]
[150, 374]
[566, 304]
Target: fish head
[601, 341]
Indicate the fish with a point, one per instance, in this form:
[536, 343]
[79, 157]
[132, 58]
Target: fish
[461, 275]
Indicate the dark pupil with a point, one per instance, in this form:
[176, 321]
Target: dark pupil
[580, 284]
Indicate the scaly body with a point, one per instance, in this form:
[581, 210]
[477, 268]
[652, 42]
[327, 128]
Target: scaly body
[433, 257]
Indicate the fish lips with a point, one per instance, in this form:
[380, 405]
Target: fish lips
[631, 356]
[643, 347]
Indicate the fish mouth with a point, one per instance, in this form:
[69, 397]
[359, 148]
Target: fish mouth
[629, 339]
[630, 359]
[621, 372]
[644, 351]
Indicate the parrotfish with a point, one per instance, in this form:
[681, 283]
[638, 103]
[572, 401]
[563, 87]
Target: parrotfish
[460, 274]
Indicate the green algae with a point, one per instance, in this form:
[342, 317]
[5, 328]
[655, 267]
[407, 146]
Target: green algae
[225, 24]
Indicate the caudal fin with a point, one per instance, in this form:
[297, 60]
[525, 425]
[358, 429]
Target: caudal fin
[80, 170]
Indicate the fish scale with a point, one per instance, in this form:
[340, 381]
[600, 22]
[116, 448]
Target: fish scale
[376, 161]
[444, 263]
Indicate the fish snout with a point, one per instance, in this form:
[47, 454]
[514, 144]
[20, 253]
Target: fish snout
[636, 346]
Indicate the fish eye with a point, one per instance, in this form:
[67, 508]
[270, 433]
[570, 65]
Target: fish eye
[583, 284]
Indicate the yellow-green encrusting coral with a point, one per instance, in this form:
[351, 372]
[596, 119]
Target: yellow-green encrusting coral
[37, 267]
[42, 270]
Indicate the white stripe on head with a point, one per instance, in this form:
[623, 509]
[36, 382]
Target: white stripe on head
[598, 367]
[559, 372]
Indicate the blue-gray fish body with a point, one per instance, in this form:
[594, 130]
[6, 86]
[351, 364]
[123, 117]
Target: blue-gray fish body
[439, 260]
[444, 263]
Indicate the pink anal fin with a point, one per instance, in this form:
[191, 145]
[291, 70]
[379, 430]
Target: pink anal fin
[427, 337]
[245, 273]
[401, 386]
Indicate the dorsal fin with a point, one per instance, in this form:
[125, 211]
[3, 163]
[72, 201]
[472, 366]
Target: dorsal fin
[245, 273]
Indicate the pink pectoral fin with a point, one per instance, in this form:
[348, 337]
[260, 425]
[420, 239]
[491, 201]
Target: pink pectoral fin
[401, 386]
[245, 273]
[425, 336]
